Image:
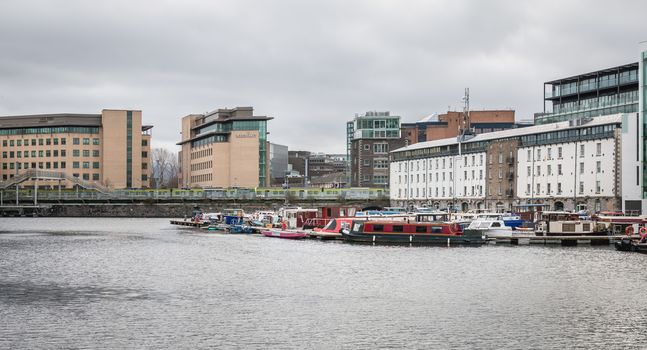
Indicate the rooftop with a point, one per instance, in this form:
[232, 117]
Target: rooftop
[529, 130]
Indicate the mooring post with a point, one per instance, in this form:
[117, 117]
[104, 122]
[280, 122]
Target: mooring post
[59, 189]
[16, 194]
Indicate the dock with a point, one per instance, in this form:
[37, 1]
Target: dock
[186, 223]
[561, 240]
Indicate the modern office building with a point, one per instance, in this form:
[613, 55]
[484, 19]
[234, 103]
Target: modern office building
[436, 127]
[224, 148]
[111, 149]
[591, 163]
[278, 164]
[603, 92]
[374, 135]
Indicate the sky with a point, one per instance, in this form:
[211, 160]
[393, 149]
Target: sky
[312, 65]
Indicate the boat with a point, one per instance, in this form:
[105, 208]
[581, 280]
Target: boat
[490, 228]
[241, 229]
[559, 223]
[628, 244]
[284, 234]
[394, 232]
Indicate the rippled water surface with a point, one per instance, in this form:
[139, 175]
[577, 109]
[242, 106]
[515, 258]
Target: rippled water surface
[142, 283]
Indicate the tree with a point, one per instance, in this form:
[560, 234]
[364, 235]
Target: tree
[165, 168]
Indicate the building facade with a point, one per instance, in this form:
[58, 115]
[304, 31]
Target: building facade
[592, 163]
[224, 148]
[604, 92]
[278, 163]
[374, 135]
[437, 127]
[111, 149]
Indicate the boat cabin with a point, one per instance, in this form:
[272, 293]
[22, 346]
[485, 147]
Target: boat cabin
[418, 228]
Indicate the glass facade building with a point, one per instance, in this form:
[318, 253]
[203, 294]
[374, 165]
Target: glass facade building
[604, 92]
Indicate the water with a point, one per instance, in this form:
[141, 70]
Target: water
[142, 283]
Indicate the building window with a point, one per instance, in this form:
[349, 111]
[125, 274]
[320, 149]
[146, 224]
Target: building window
[86, 176]
[598, 149]
[367, 162]
[95, 142]
[559, 169]
[598, 167]
[86, 152]
[76, 141]
[559, 188]
[76, 153]
[559, 152]
[367, 147]
[549, 170]
[550, 153]
[62, 140]
[95, 153]
[75, 165]
[62, 165]
[581, 168]
[144, 154]
[95, 165]
[597, 186]
[581, 151]
[86, 141]
[538, 153]
[538, 170]
[95, 177]
[381, 148]
[548, 188]
[581, 189]
[528, 158]
[538, 188]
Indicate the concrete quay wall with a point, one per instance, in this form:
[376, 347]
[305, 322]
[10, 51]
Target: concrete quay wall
[173, 210]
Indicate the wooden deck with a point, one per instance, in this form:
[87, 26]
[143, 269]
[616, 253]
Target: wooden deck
[186, 223]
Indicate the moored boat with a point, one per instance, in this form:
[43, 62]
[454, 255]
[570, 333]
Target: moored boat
[490, 228]
[433, 233]
[284, 234]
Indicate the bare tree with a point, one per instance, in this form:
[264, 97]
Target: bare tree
[165, 168]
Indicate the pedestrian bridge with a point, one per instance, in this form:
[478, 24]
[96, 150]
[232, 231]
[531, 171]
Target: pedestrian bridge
[34, 175]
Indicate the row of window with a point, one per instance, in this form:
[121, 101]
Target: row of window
[201, 166]
[549, 154]
[377, 163]
[49, 165]
[548, 189]
[48, 141]
[201, 178]
[47, 153]
[472, 191]
[55, 130]
[202, 153]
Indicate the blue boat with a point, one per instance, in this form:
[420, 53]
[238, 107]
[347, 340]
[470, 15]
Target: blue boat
[241, 229]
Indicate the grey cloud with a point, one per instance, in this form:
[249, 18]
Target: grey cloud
[310, 64]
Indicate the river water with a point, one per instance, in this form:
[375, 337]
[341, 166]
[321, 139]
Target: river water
[141, 283]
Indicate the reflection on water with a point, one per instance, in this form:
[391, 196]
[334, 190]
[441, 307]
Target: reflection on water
[141, 283]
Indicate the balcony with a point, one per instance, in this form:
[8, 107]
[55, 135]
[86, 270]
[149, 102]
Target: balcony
[511, 176]
[510, 160]
[509, 193]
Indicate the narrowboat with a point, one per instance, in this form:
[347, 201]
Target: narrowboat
[627, 244]
[394, 232]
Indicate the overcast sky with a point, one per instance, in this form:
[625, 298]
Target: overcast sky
[309, 64]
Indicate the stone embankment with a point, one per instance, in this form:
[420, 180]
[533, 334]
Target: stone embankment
[166, 210]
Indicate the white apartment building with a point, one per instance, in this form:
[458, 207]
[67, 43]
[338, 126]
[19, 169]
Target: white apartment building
[593, 164]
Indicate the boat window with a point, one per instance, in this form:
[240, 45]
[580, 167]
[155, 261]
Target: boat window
[586, 227]
[436, 229]
[398, 228]
[421, 229]
[378, 228]
[331, 225]
[496, 224]
[568, 227]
